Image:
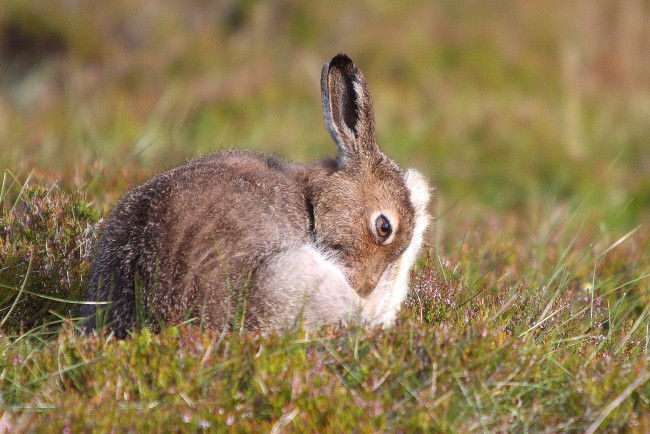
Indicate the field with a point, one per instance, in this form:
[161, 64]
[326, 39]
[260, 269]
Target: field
[529, 309]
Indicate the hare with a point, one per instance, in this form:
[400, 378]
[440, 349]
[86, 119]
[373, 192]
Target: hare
[245, 240]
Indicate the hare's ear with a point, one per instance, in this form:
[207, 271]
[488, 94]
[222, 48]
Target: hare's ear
[347, 109]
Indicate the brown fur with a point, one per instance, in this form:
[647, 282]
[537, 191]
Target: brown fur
[226, 231]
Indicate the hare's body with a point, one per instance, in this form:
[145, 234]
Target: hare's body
[246, 240]
[189, 246]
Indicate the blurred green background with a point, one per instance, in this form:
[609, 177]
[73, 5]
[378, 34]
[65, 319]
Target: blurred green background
[510, 107]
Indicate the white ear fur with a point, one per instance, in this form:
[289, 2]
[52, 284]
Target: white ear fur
[419, 190]
[382, 305]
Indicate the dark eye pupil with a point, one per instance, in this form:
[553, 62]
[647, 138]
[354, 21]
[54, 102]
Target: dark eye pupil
[383, 227]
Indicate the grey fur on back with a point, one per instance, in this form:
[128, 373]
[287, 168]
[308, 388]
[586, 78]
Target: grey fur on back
[242, 236]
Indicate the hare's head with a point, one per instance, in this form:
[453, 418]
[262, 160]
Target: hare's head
[363, 210]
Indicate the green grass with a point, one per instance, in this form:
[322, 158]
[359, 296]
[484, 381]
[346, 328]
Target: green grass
[529, 311]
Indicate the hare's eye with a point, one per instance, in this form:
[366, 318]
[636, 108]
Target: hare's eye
[384, 229]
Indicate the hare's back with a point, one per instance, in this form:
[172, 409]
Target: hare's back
[225, 215]
[240, 203]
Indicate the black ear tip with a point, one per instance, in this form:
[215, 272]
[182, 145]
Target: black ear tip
[341, 61]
